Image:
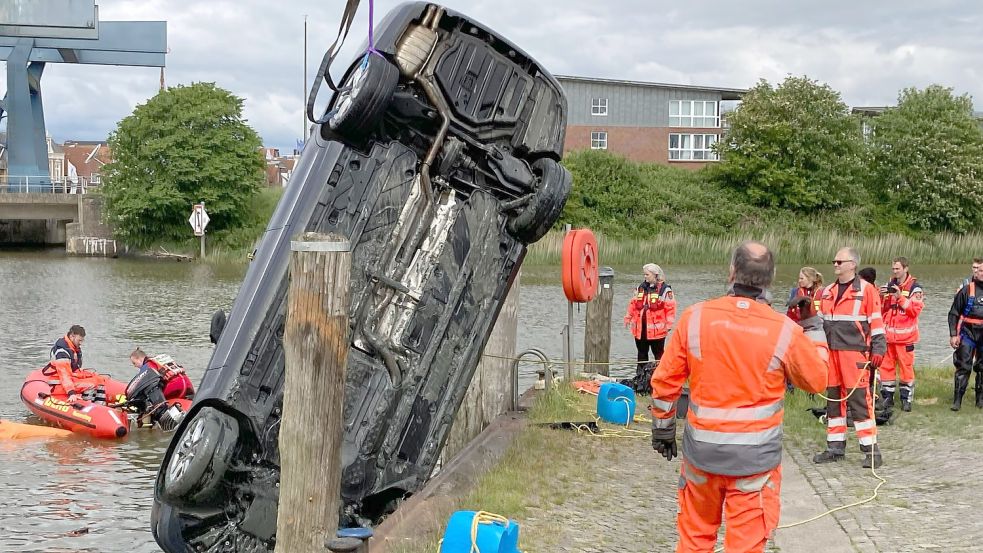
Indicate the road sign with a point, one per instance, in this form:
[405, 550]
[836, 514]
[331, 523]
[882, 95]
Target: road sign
[199, 219]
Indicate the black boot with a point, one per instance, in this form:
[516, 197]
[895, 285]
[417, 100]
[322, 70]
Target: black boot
[959, 384]
[979, 390]
[906, 396]
[888, 396]
[828, 456]
[874, 459]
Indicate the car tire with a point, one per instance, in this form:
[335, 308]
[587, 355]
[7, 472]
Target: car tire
[197, 465]
[362, 98]
[538, 216]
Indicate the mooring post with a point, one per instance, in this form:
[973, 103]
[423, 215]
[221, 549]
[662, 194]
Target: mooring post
[597, 336]
[315, 344]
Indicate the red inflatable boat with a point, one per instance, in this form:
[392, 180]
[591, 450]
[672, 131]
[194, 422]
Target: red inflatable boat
[91, 411]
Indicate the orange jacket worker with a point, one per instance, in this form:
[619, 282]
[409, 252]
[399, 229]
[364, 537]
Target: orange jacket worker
[902, 300]
[651, 313]
[732, 447]
[854, 328]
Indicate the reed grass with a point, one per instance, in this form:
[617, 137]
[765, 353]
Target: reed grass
[690, 249]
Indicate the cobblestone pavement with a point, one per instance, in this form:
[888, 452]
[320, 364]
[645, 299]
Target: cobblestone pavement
[628, 507]
[933, 497]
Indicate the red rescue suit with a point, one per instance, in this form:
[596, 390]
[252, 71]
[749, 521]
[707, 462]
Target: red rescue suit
[901, 331]
[854, 330]
[655, 306]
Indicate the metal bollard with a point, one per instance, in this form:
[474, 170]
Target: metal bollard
[350, 540]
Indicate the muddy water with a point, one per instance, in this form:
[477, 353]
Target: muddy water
[84, 495]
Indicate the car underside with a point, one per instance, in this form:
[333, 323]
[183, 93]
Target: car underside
[438, 158]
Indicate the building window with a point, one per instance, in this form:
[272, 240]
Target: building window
[685, 147]
[599, 106]
[598, 140]
[694, 113]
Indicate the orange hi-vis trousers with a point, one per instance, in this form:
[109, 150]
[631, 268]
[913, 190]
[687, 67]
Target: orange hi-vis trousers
[750, 504]
[849, 376]
[899, 356]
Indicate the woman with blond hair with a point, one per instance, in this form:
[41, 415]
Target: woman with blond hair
[651, 313]
[810, 285]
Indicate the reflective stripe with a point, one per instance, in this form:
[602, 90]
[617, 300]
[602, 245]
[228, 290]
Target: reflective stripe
[887, 386]
[864, 425]
[732, 459]
[691, 475]
[736, 438]
[781, 348]
[663, 405]
[874, 315]
[750, 485]
[851, 318]
[877, 331]
[838, 437]
[663, 424]
[838, 421]
[867, 440]
[693, 332]
[737, 413]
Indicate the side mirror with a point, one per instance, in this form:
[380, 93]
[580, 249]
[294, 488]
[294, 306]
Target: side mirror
[218, 323]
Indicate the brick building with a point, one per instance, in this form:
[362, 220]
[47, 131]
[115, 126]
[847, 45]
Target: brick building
[653, 122]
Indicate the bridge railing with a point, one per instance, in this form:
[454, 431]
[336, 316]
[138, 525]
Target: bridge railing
[48, 185]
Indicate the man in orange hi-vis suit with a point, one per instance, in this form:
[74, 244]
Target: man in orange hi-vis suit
[737, 353]
[851, 309]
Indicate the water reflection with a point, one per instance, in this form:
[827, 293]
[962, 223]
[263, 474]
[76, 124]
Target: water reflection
[83, 495]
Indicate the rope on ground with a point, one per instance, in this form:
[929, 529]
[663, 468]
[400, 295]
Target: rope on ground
[872, 497]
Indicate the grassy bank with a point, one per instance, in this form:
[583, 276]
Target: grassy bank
[543, 468]
[673, 248]
[651, 211]
[930, 414]
[231, 245]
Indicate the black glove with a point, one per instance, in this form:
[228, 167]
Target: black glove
[664, 439]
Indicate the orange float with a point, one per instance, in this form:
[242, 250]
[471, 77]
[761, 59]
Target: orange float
[578, 270]
[19, 431]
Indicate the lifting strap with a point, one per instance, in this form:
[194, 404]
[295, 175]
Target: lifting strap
[324, 71]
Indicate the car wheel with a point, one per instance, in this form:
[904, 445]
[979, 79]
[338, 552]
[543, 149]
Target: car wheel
[196, 467]
[361, 100]
[537, 217]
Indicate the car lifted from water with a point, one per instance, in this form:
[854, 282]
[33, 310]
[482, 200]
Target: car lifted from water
[438, 158]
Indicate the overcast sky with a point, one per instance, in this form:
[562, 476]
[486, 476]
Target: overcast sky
[868, 50]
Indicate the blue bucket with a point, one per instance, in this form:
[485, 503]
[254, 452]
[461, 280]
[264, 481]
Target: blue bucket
[616, 403]
[493, 536]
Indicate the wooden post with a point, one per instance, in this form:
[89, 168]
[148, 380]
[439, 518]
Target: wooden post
[315, 344]
[597, 336]
[490, 392]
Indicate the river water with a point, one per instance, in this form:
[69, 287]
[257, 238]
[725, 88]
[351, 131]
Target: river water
[83, 495]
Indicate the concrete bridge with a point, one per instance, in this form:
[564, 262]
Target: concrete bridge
[55, 217]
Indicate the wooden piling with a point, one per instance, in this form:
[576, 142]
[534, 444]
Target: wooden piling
[597, 335]
[315, 344]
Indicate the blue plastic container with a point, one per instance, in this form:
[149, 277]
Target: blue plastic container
[493, 537]
[615, 403]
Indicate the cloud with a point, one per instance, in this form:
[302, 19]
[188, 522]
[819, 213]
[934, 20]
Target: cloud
[866, 50]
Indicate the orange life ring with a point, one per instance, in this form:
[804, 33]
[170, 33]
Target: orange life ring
[579, 265]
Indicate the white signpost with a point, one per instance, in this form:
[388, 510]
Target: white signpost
[199, 220]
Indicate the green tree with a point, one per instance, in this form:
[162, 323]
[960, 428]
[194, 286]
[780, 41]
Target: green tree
[928, 159]
[793, 146]
[185, 145]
